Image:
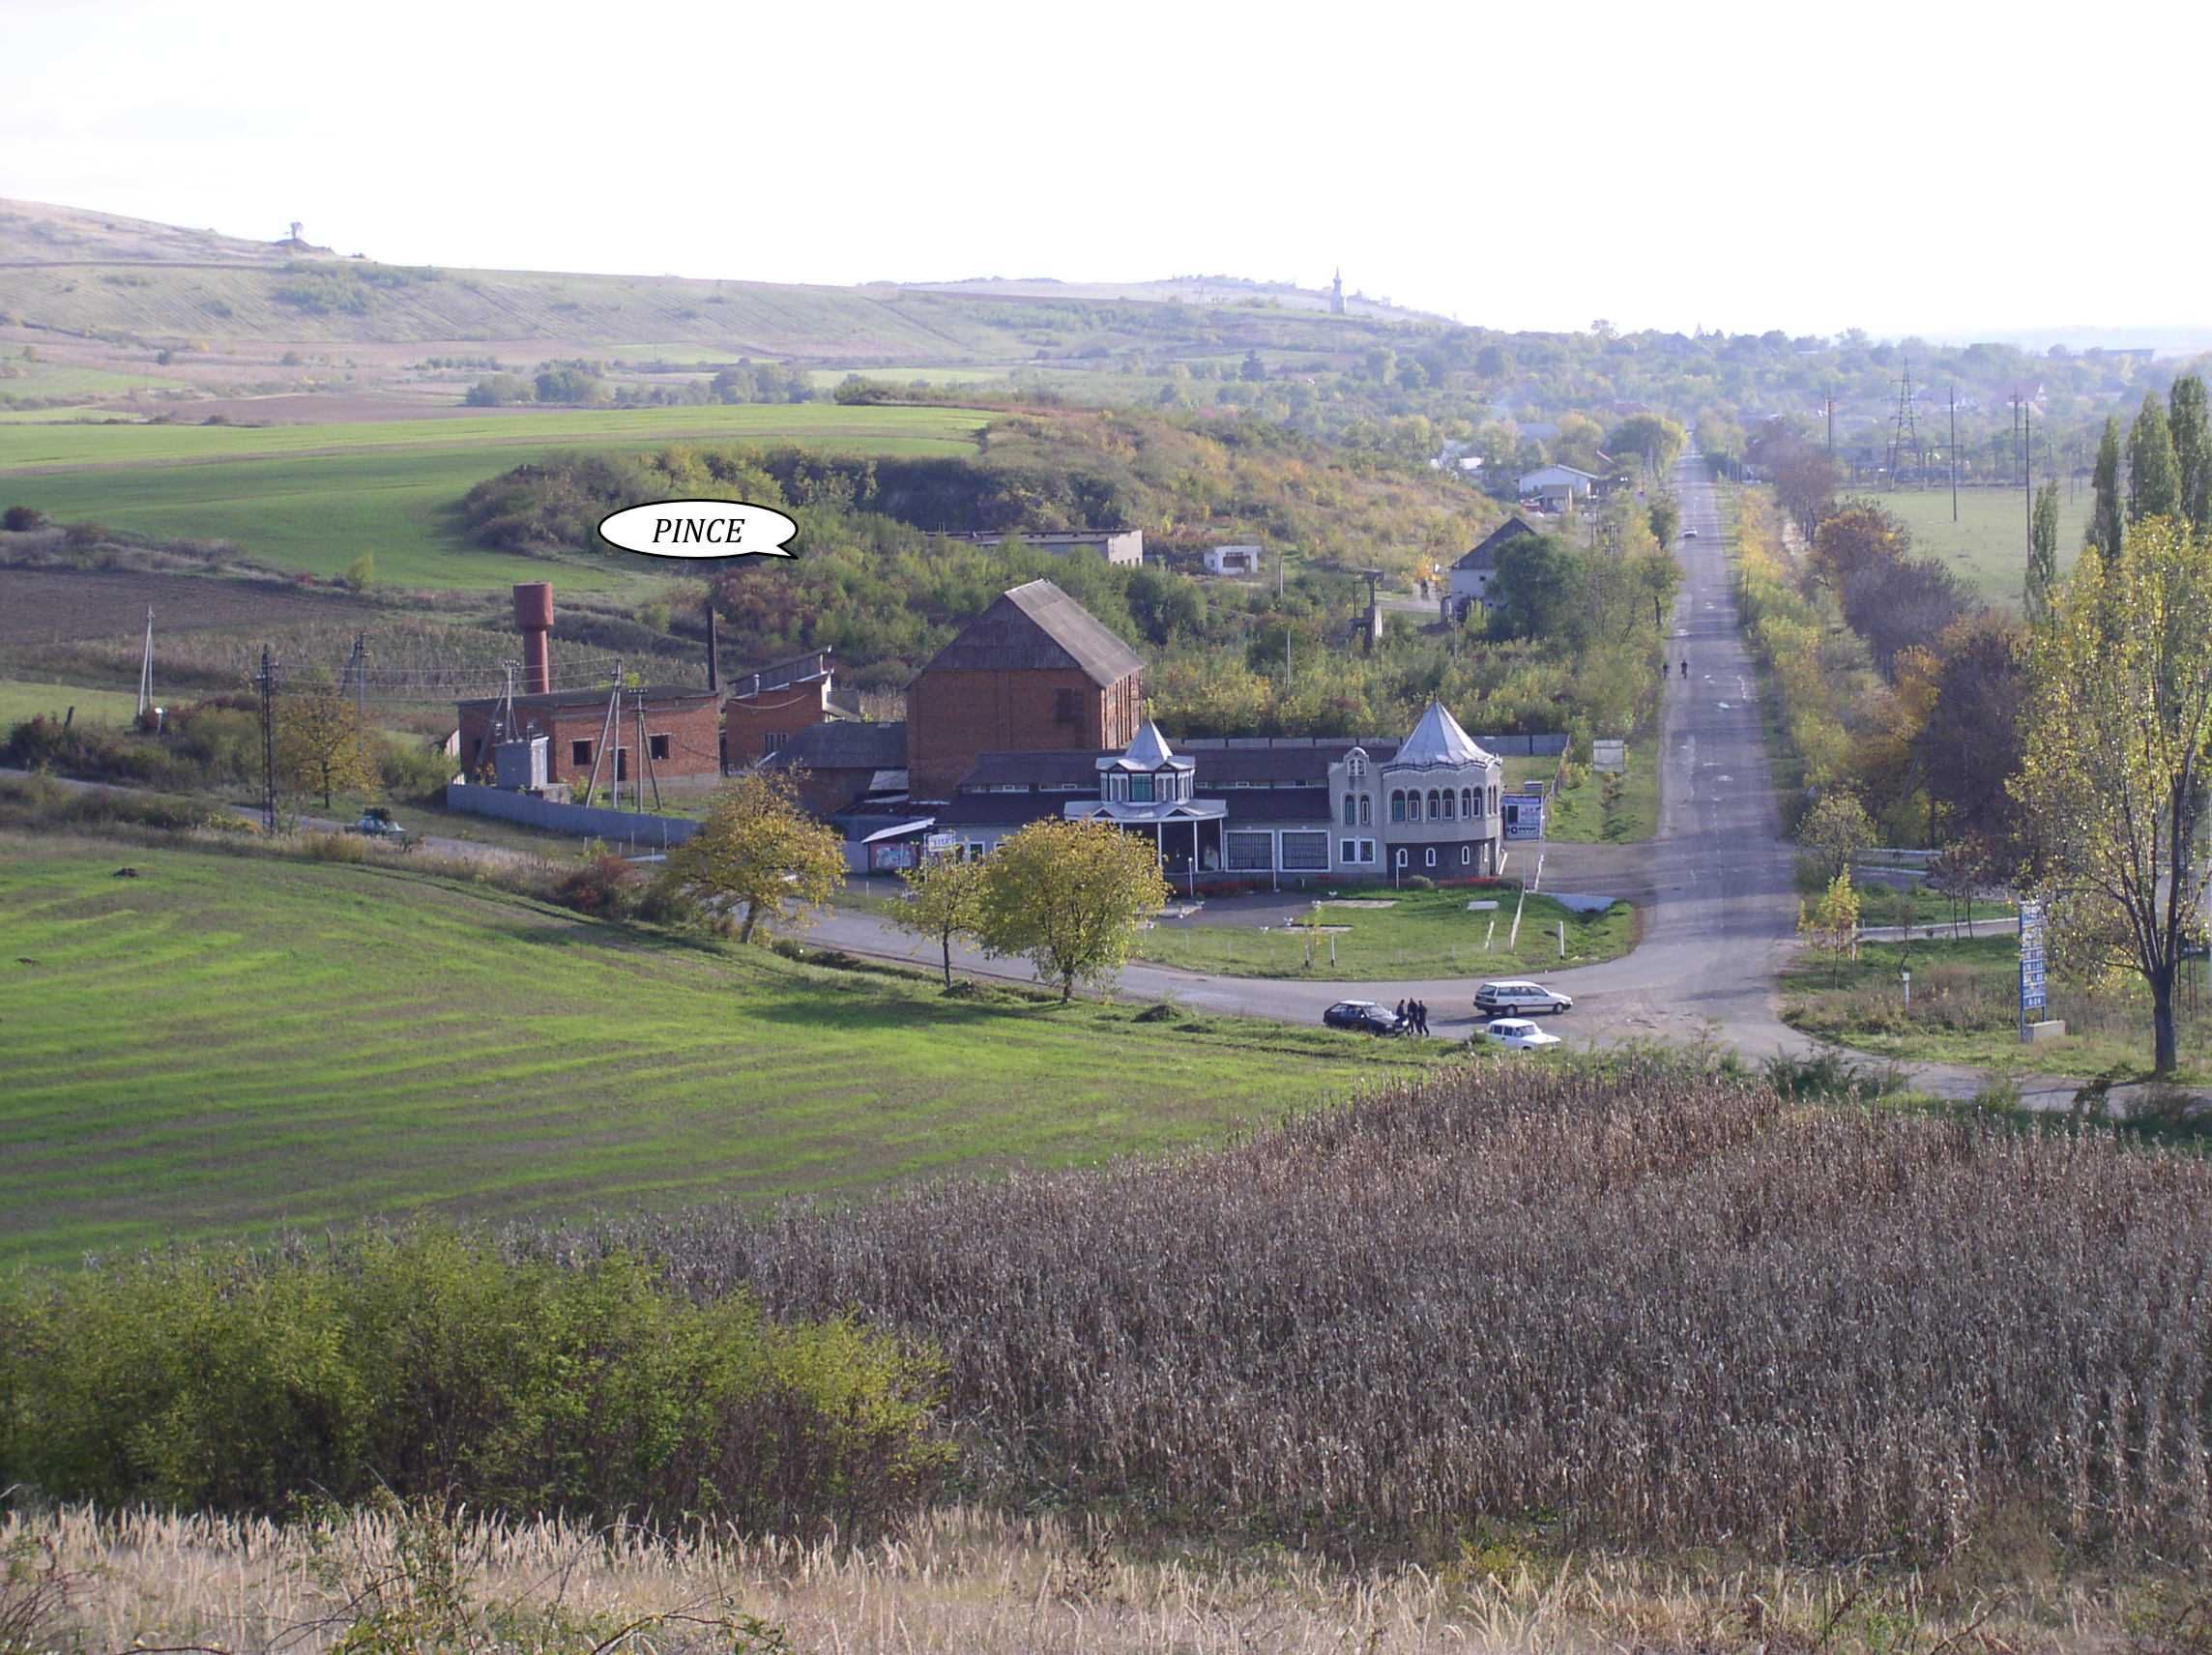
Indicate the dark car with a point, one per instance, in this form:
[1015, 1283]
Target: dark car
[1365, 1016]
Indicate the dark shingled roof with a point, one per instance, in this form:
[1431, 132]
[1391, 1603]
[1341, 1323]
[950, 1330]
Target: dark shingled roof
[1038, 626]
[655, 694]
[844, 745]
[998, 809]
[1218, 768]
[1485, 554]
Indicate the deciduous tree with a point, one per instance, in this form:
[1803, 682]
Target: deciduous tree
[2114, 746]
[1069, 895]
[1834, 831]
[943, 900]
[1833, 924]
[2192, 429]
[2107, 522]
[759, 851]
[320, 743]
[2042, 551]
[2153, 490]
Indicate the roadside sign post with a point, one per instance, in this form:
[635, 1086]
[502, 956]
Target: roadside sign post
[2034, 995]
[1904, 977]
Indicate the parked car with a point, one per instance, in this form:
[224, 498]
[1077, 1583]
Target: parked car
[1365, 1016]
[1523, 999]
[377, 823]
[1689, 534]
[1517, 1034]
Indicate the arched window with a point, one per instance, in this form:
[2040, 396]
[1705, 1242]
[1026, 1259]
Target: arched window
[1433, 812]
[1350, 812]
[1414, 806]
[1494, 801]
[1401, 856]
[1356, 766]
[1447, 804]
[1432, 855]
[1464, 856]
[1397, 807]
[1467, 805]
[1366, 812]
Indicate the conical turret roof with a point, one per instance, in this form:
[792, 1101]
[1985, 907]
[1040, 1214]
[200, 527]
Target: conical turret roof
[1438, 739]
[1148, 752]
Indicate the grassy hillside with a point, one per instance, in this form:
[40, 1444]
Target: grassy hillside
[315, 496]
[306, 1044]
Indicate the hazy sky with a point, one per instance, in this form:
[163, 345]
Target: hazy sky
[1946, 168]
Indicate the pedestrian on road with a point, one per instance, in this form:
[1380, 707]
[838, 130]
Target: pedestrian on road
[1685, 669]
[1665, 671]
[1401, 1011]
[1421, 1016]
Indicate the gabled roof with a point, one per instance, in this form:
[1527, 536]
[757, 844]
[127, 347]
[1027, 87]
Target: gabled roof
[843, 744]
[1038, 626]
[1438, 739]
[1485, 554]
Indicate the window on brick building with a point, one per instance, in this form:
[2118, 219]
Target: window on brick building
[775, 738]
[579, 753]
[657, 746]
[1064, 706]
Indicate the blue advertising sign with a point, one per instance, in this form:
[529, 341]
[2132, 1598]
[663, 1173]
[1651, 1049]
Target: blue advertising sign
[2033, 993]
[1523, 815]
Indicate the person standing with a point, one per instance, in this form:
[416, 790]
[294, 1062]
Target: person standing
[1401, 1015]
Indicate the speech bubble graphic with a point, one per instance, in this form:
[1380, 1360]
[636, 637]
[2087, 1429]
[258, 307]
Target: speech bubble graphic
[699, 529]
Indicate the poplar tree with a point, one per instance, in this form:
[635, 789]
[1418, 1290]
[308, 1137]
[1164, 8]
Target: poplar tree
[2191, 451]
[2043, 551]
[2152, 491]
[2107, 522]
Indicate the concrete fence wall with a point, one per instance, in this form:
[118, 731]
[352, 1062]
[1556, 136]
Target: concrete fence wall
[623, 827]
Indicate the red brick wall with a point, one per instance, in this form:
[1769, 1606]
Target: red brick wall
[951, 716]
[693, 730]
[747, 720]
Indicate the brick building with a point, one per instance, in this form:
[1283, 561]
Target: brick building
[770, 707]
[1035, 672]
[682, 733]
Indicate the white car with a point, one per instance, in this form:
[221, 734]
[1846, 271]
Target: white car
[1525, 999]
[1517, 1034]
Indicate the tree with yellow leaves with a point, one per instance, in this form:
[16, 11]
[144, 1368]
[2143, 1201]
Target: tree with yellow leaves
[321, 747]
[2115, 739]
[1069, 895]
[758, 851]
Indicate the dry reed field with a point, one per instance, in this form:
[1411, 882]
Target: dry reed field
[961, 1579]
[1638, 1306]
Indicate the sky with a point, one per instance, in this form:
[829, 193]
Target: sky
[1958, 170]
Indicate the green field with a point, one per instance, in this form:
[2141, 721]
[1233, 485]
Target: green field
[21, 699]
[1964, 1010]
[1624, 812]
[44, 380]
[227, 1045]
[1988, 545]
[1424, 934]
[390, 488]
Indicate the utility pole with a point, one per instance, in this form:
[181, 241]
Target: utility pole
[146, 669]
[1954, 451]
[2027, 468]
[1830, 402]
[266, 682]
[357, 669]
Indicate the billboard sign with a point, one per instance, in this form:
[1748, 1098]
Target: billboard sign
[1524, 814]
[2034, 995]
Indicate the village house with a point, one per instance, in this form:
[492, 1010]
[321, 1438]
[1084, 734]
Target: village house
[1475, 574]
[1123, 546]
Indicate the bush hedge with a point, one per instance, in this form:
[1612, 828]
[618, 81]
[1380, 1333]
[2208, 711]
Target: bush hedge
[429, 1366]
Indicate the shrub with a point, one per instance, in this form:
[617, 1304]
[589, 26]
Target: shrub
[427, 1366]
[23, 519]
[601, 884]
